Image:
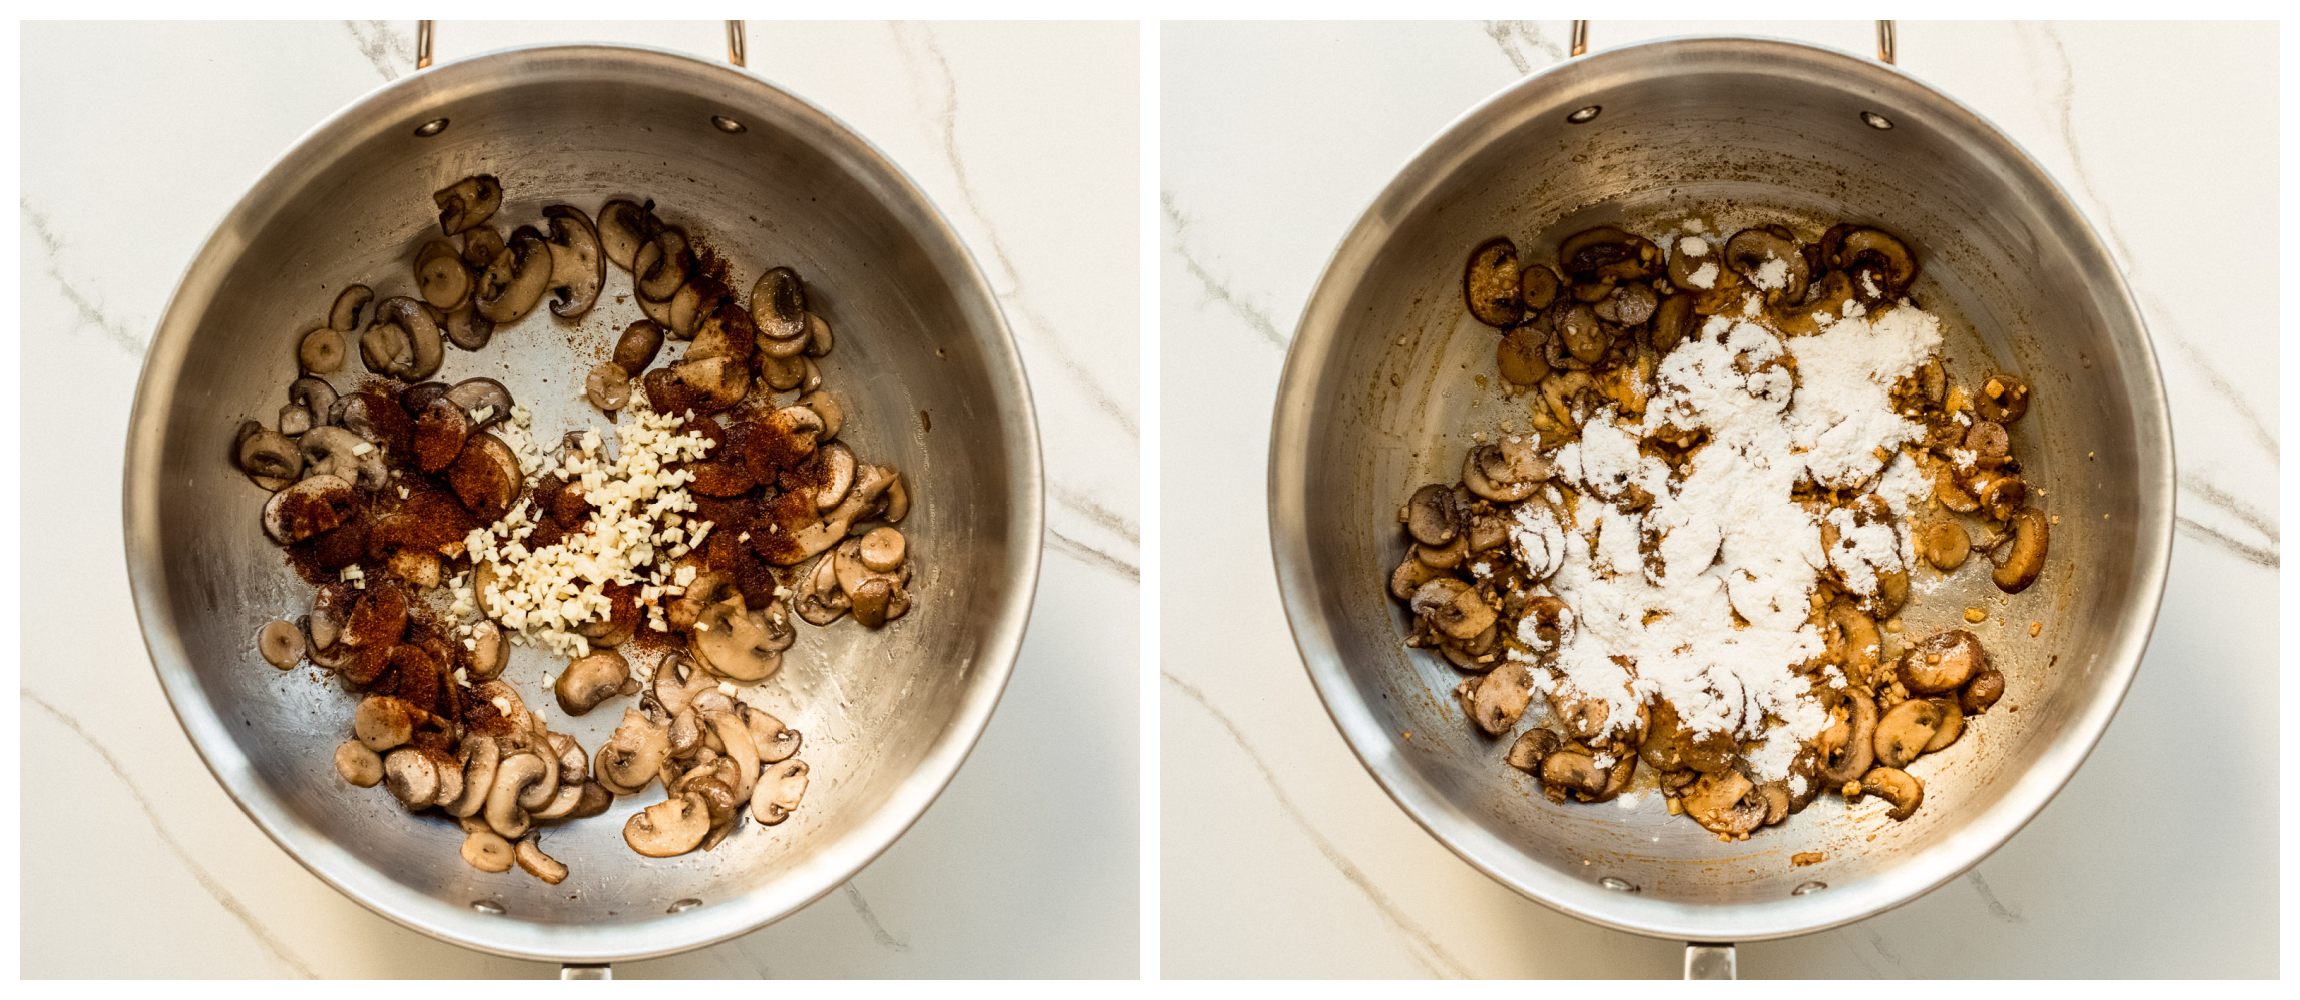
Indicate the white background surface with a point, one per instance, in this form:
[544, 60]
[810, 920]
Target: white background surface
[139, 137]
[1281, 857]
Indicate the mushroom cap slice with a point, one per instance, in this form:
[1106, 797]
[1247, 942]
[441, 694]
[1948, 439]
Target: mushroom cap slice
[773, 741]
[1605, 252]
[1943, 661]
[320, 503]
[819, 600]
[486, 851]
[594, 799]
[779, 792]
[1531, 748]
[706, 386]
[350, 305]
[779, 305]
[534, 862]
[412, 778]
[1431, 515]
[517, 774]
[1755, 252]
[1905, 731]
[1848, 747]
[623, 225]
[479, 756]
[1896, 786]
[1981, 693]
[633, 756]
[1726, 804]
[467, 329]
[482, 395]
[636, 348]
[662, 265]
[1490, 283]
[740, 748]
[669, 828]
[736, 642]
[590, 680]
[2024, 561]
[415, 352]
[486, 477]
[467, 202]
[516, 279]
[578, 267]
[440, 276]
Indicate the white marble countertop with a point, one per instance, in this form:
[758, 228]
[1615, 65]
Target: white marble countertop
[1025, 135]
[1281, 857]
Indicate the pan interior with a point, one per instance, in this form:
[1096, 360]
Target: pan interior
[1389, 376]
[887, 716]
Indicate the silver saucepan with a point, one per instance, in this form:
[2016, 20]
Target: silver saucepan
[1388, 374]
[924, 364]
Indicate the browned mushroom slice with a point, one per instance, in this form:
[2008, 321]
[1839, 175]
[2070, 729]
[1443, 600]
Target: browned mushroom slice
[440, 433]
[590, 680]
[2024, 559]
[404, 341]
[608, 386]
[485, 400]
[1725, 804]
[1848, 748]
[411, 777]
[662, 265]
[358, 764]
[1531, 749]
[1942, 662]
[578, 269]
[1898, 787]
[821, 602]
[1944, 543]
[480, 245]
[268, 457]
[1989, 443]
[516, 279]
[478, 757]
[782, 374]
[779, 792]
[486, 477]
[1606, 252]
[1769, 258]
[1489, 283]
[1583, 335]
[1952, 725]
[1981, 693]
[635, 350]
[1631, 303]
[516, 780]
[440, 276]
[1520, 357]
[669, 828]
[623, 225]
[321, 351]
[2002, 399]
[534, 862]
[633, 755]
[1951, 493]
[1882, 265]
[280, 643]
[1537, 287]
[1905, 731]
[779, 305]
[707, 386]
[350, 309]
[468, 202]
[1500, 698]
[739, 643]
[1431, 516]
[1506, 471]
[1453, 607]
[320, 503]
[2004, 496]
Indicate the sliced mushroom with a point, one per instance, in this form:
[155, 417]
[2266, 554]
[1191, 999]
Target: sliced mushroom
[594, 800]
[1873, 253]
[882, 550]
[1607, 252]
[1726, 804]
[1898, 787]
[1944, 543]
[338, 453]
[320, 503]
[1982, 692]
[1520, 357]
[622, 227]
[635, 350]
[1951, 727]
[1631, 303]
[440, 276]
[574, 776]
[468, 202]
[485, 400]
[779, 305]
[1531, 749]
[740, 748]
[516, 279]
[403, 342]
[1904, 732]
[608, 386]
[1769, 258]
[280, 643]
[591, 680]
[478, 756]
[578, 269]
[779, 792]
[440, 433]
[633, 756]
[669, 828]
[740, 643]
[467, 329]
[269, 455]
[662, 265]
[1506, 471]
[486, 477]
[820, 601]
[411, 777]
[2021, 563]
[1432, 517]
[488, 651]
[1942, 662]
[480, 245]
[1583, 335]
[1500, 698]
[770, 739]
[2002, 399]
[782, 374]
[358, 764]
[1537, 287]
[1453, 607]
[706, 386]
[486, 851]
[1847, 748]
[1490, 283]
[320, 352]
[870, 482]
[1573, 772]
[519, 775]
[350, 305]
[1672, 322]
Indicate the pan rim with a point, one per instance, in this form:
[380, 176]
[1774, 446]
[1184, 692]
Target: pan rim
[1565, 86]
[511, 936]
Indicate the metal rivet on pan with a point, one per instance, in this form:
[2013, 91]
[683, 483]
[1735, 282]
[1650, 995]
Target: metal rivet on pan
[1585, 115]
[431, 128]
[684, 905]
[726, 124]
[487, 906]
[1617, 884]
[1876, 121]
[1808, 888]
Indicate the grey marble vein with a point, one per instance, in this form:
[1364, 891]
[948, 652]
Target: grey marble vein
[1095, 512]
[1844, 937]
[382, 46]
[1217, 289]
[1877, 942]
[223, 896]
[1092, 556]
[2265, 558]
[945, 112]
[91, 311]
[2064, 102]
[1989, 896]
[1514, 37]
[878, 931]
[1420, 943]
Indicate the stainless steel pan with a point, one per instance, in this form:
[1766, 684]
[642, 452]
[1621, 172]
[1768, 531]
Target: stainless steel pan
[1382, 385]
[769, 179]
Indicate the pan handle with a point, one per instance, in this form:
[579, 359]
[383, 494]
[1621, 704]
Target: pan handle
[1885, 40]
[735, 47]
[1709, 961]
[608, 971]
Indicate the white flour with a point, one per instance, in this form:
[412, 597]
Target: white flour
[1661, 588]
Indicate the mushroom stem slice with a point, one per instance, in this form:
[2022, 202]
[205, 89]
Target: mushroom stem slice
[486, 851]
[534, 862]
[350, 307]
[358, 764]
[2032, 538]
